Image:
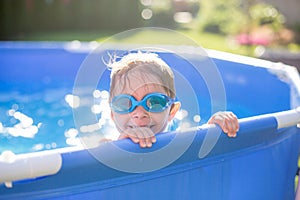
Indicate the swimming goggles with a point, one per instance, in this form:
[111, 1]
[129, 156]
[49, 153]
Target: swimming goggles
[153, 102]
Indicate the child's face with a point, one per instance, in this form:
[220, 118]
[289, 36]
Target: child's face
[139, 117]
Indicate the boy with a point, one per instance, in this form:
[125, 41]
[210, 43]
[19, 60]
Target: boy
[143, 99]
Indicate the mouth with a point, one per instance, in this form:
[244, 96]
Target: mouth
[143, 126]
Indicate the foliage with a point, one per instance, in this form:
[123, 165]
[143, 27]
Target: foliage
[265, 14]
[234, 16]
[221, 16]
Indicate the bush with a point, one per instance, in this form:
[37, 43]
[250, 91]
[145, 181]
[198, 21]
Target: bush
[265, 14]
[234, 16]
[221, 16]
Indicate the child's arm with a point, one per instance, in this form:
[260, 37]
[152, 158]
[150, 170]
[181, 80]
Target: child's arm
[142, 135]
[227, 121]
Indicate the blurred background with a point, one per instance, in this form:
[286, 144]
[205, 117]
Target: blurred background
[268, 29]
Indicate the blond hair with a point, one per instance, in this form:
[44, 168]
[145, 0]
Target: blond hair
[147, 64]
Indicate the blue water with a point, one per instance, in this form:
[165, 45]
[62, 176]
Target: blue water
[41, 118]
[34, 121]
[36, 114]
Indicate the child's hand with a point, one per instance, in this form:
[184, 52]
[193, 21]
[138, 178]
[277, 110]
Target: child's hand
[142, 135]
[227, 121]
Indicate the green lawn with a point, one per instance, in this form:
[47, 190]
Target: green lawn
[219, 42]
[64, 36]
[206, 40]
[180, 37]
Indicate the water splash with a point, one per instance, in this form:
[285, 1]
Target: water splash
[24, 128]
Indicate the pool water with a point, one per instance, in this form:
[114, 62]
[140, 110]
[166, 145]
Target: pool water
[35, 121]
[38, 102]
[43, 119]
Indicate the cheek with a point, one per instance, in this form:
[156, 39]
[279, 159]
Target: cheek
[120, 120]
[161, 121]
[161, 118]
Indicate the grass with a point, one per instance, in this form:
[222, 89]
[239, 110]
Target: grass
[219, 42]
[63, 36]
[205, 40]
[183, 37]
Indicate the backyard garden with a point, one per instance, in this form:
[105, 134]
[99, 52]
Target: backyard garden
[246, 27]
[236, 26]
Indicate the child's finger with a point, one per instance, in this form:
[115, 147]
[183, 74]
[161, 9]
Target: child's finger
[227, 121]
[129, 134]
[219, 120]
[151, 139]
[147, 136]
[139, 136]
[142, 135]
[233, 120]
[232, 124]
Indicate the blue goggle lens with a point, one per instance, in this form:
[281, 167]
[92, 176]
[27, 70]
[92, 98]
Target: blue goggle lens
[154, 102]
[121, 104]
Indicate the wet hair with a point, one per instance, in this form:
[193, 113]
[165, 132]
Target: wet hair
[141, 65]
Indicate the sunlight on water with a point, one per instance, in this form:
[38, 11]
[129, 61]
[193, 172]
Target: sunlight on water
[91, 133]
[24, 128]
[72, 100]
[71, 137]
[44, 120]
[181, 114]
[197, 118]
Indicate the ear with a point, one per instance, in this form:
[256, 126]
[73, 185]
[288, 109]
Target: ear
[174, 109]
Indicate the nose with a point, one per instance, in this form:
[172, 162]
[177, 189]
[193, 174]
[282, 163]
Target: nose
[140, 116]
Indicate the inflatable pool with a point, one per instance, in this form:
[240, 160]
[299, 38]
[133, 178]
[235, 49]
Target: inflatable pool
[40, 155]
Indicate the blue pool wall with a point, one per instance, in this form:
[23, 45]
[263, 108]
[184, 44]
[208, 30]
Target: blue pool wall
[50, 65]
[260, 163]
